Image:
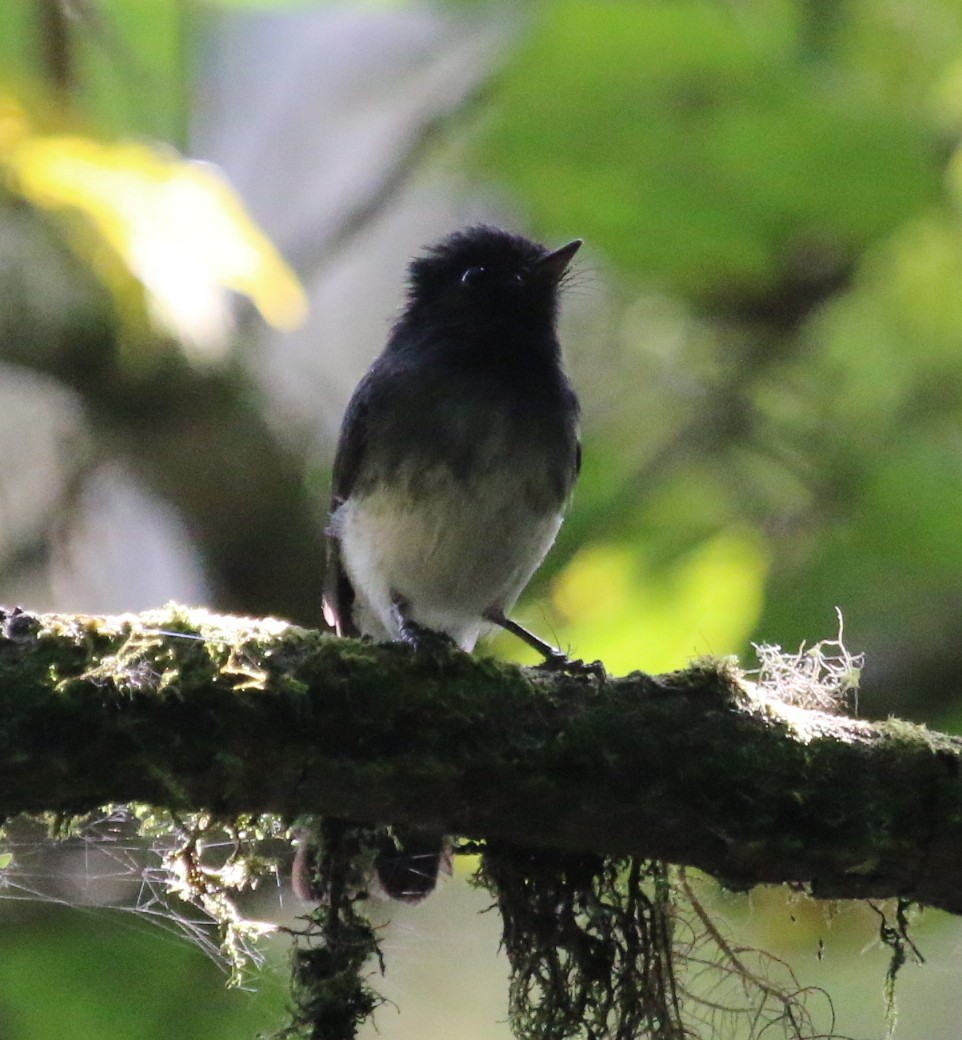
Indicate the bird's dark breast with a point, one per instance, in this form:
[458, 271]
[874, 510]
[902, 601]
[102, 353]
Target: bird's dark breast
[474, 422]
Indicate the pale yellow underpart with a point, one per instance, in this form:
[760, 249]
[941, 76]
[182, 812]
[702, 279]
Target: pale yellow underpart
[451, 553]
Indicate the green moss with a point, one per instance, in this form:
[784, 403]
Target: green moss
[331, 994]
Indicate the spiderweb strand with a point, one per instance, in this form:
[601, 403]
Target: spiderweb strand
[181, 874]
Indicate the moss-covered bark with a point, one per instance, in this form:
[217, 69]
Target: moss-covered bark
[188, 710]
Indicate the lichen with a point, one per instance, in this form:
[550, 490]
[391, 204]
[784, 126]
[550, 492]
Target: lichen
[600, 948]
[823, 677]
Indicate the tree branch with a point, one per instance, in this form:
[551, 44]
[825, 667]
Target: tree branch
[188, 710]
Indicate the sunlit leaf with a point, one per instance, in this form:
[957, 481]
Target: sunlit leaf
[176, 225]
[616, 606]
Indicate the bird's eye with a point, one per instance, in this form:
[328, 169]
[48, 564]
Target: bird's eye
[472, 276]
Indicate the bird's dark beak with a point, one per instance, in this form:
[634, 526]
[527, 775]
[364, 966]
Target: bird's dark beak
[552, 266]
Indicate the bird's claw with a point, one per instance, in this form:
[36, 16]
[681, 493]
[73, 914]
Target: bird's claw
[425, 640]
[557, 661]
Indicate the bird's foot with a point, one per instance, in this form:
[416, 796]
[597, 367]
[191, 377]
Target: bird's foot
[558, 661]
[424, 640]
[555, 660]
[419, 637]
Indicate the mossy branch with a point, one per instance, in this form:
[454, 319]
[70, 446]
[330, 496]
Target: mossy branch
[184, 709]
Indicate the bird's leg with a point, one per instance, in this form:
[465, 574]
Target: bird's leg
[555, 660]
[414, 635]
[409, 631]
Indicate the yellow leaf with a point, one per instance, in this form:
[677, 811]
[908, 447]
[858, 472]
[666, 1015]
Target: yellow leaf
[177, 225]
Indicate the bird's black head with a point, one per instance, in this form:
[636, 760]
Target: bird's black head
[483, 280]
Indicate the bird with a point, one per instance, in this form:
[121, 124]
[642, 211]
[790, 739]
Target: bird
[457, 456]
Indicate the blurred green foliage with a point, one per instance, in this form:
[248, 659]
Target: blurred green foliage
[97, 975]
[771, 190]
[778, 180]
[128, 64]
[702, 143]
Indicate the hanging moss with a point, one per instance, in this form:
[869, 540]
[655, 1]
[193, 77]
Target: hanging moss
[330, 993]
[894, 933]
[589, 940]
[605, 948]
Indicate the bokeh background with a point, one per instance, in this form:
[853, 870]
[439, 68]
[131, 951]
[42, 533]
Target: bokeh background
[765, 328]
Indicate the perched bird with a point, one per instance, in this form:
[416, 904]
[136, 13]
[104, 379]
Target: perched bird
[456, 459]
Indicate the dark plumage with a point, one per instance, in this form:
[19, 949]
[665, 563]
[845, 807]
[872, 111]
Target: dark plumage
[458, 451]
[459, 448]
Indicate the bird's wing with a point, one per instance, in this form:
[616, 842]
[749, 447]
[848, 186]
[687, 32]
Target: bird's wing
[338, 594]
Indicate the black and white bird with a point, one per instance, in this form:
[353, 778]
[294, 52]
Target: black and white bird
[459, 448]
[457, 457]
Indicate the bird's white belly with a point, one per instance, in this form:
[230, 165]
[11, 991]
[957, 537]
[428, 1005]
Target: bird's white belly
[449, 551]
